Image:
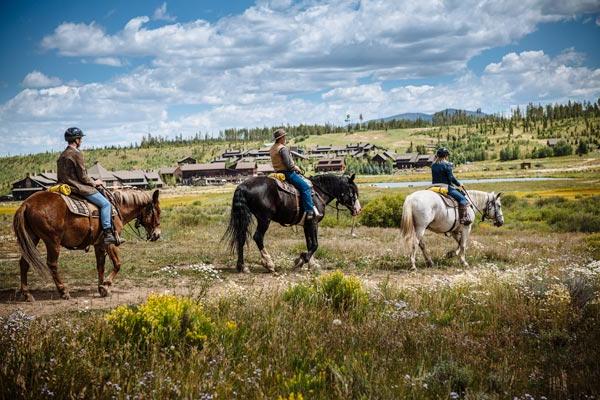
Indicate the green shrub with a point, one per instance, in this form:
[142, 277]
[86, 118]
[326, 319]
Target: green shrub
[334, 289]
[163, 320]
[451, 375]
[383, 212]
[593, 245]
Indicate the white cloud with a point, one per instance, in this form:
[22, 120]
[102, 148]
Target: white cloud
[283, 62]
[110, 61]
[36, 79]
[160, 14]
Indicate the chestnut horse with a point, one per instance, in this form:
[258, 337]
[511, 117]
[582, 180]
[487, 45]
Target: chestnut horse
[45, 216]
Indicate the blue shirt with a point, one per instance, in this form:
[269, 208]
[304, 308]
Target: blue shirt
[441, 172]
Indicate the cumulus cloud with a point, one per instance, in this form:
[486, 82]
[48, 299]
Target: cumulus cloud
[284, 62]
[160, 14]
[36, 79]
[110, 61]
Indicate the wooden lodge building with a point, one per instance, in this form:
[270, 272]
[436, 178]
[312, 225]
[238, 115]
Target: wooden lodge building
[24, 188]
[330, 165]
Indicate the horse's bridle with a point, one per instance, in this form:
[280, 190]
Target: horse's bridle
[339, 200]
[490, 202]
[139, 220]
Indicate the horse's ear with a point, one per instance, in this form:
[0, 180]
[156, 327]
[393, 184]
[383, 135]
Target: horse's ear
[498, 195]
[352, 178]
[155, 197]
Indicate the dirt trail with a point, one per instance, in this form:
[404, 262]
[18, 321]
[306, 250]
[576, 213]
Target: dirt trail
[85, 298]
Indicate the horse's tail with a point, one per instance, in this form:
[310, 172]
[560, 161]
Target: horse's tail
[240, 220]
[407, 225]
[29, 250]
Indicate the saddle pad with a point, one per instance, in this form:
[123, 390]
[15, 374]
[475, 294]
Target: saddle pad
[286, 187]
[82, 207]
[439, 189]
[277, 175]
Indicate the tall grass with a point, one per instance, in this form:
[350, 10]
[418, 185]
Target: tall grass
[491, 338]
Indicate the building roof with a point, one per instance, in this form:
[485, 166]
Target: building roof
[265, 168]
[203, 167]
[407, 157]
[97, 171]
[330, 161]
[135, 174]
[152, 175]
[42, 180]
[49, 175]
[245, 165]
[186, 158]
[167, 170]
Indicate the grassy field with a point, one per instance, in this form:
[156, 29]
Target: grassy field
[523, 320]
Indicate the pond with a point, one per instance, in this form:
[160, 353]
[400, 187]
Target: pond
[464, 181]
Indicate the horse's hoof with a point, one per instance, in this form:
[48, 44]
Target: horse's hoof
[429, 265]
[106, 283]
[24, 296]
[450, 254]
[242, 269]
[298, 262]
[65, 296]
[103, 291]
[314, 264]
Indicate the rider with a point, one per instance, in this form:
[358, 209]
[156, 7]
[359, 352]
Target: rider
[441, 173]
[282, 162]
[71, 170]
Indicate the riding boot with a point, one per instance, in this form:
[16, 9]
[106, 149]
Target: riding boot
[316, 211]
[463, 215]
[109, 237]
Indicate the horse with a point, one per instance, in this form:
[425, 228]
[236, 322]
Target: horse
[425, 209]
[260, 196]
[45, 216]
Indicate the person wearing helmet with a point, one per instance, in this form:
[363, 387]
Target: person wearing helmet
[441, 174]
[282, 162]
[72, 171]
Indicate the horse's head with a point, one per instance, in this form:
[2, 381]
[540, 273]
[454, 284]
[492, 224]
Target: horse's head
[493, 209]
[348, 196]
[149, 218]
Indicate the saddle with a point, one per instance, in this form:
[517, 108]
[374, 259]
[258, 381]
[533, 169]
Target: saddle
[284, 186]
[443, 192]
[80, 206]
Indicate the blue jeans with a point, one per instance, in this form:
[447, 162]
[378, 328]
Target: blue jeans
[305, 190]
[458, 196]
[105, 208]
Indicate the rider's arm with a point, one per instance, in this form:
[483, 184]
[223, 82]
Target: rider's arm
[451, 177]
[82, 172]
[287, 159]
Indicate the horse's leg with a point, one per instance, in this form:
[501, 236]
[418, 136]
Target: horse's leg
[464, 237]
[116, 262]
[418, 242]
[308, 236]
[53, 251]
[314, 245]
[452, 253]
[100, 252]
[24, 267]
[428, 259]
[259, 235]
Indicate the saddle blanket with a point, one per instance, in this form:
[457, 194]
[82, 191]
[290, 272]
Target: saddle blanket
[443, 192]
[285, 186]
[83, 207]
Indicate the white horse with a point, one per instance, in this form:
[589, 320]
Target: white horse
[426, 209]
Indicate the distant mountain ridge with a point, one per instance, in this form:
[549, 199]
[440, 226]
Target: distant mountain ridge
[413, 116]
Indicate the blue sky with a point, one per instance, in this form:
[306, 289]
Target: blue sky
[120, 70]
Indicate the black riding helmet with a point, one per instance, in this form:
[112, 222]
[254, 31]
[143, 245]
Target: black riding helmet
[73, 133]
[442, 152]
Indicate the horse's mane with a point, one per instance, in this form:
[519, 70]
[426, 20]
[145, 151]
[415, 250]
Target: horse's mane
[132, 197]
[479, 197]
[328, 182]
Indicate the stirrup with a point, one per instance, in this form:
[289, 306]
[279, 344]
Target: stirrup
[316, 212]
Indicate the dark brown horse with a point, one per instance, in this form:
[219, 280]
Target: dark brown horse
[260, 196]
[44, 216]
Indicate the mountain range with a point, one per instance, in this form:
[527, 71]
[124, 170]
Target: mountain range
[413, 116]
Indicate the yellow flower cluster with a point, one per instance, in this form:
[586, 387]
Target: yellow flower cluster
[163, 319]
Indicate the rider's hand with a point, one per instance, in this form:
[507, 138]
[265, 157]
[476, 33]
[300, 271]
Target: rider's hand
[98, 182]
[297, 169]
